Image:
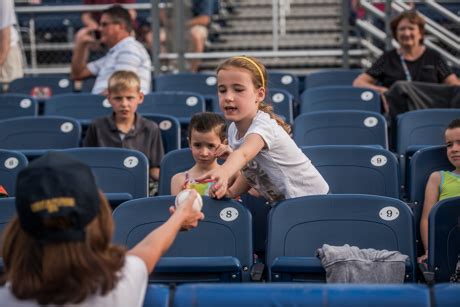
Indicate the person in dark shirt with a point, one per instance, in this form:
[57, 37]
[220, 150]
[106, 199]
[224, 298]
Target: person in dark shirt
[412, 62]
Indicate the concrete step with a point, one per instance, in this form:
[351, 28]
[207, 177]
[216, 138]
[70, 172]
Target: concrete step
[301, 12]
[259, 3]
[266, 26]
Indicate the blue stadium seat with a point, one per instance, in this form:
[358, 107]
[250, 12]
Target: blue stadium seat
[447, 295]
[356, 169]
[182, 105]
[304, 295]
[339, 98]
[156, 296]
[345, 127]
[281, 100]
[444, 238]
[424, 162]
[86, 85]
[17, 105]
[11, 163]
[82, 106]
[202, 83]
[297, 227]
[7, 212]
[55, 84]
[285, 81]
[220, 249]
[170, 130]
[35, 135]
[121, 173]
[331, 77]
[172, 163]
[421, 128]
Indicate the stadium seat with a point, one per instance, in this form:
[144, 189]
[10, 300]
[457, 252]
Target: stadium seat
[286, 81]
[182, 105]
[356, 169]
[11, 163]
[345, 127]
[41, 86]
[121, 173]
[35, 135]
[170, 130]
[157, 296]
[444, 238]
[172, 163]
[331, 77]
[17, 105]
[339, 98]
[82, 106]
[297, 227]
[424, 162]
[447, 295]
[303, 295]
[421, 128]
[202, 83]
[219, 250]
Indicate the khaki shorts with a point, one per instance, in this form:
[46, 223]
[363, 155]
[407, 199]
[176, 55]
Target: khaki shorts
[12, 68]
[199, 31]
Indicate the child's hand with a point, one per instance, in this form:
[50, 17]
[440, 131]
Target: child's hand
[219, 188]
[223, 151]
[189, 215]
[422, 259]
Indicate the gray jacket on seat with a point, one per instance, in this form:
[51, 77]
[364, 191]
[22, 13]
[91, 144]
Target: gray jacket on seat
[349, 264]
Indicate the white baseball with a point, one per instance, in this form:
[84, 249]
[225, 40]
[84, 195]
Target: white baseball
[183, 195]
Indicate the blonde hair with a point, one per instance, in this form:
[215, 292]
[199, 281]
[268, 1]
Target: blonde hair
[259, 78]
[63, 272]
[123, 80]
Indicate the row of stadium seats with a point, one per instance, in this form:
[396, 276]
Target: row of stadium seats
[302, 295]
[221, 249]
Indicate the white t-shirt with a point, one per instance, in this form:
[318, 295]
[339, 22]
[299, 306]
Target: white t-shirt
[281, 170]
[128, 54]
[8, 19]
[129, 291]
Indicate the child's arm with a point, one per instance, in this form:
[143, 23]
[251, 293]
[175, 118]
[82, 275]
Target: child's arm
[238, 187]
[223, 151]
[157, 242]
[431, 198]
[154, 173]
[177, 183]
[252, 145]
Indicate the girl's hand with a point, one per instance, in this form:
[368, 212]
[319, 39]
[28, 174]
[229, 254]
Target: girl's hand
[423, 258]
[223, 151]
[219, 188]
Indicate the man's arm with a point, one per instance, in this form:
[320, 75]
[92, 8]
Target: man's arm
[5, 37]
[83, 40]
[451, 79]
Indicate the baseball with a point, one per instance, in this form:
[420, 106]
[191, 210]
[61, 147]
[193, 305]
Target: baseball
[183, 195]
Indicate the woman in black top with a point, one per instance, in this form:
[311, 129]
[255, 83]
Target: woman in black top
[413, 61]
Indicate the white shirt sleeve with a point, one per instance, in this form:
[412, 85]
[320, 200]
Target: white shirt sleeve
[264, 126]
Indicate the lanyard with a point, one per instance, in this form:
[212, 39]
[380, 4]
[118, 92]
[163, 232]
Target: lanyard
[404, 66]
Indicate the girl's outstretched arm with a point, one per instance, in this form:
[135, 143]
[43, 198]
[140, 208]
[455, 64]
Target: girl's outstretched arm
[252, 145]
[431, 198]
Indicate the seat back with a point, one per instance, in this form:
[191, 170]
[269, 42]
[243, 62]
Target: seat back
[224, 233]
[356, 169]
[446, 295]
[41, 86]
[346, 127]
[17, 105]
[297, 227]
[172, 163]
[82, 106]
[304, 294]
[339, 98]
[331, 77]
[202, 83]
[179, 104]
[422, 128]
[285, 81]
[156, 296]
[170, 130]
[11, 163]
[41, 132]
[444, 238]
[117, 170]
